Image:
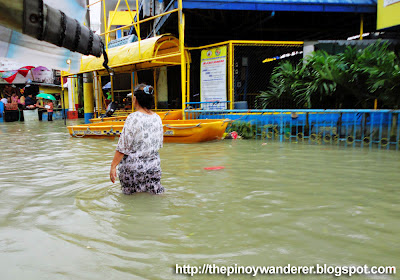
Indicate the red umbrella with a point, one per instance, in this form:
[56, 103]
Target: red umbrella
[8, 76]
[25, 70]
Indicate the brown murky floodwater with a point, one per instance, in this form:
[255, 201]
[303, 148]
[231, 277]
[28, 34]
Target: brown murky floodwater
[274, 204]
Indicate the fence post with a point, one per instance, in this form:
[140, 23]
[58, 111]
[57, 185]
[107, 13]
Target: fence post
[281, 128]
[230, 76]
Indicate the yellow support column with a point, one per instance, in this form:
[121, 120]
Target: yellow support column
[361, 26]
[188, 82]
[138, 28]
[181, 25]
[106, 35]
[136, 79]
[230, 76]
[66, 103]
[88, 100]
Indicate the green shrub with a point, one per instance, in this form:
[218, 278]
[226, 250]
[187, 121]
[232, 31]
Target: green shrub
[352, 79]
[246, 130]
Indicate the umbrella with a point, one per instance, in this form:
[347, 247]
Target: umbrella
[40, 68]
[107, 86]
[46, 96]
[8, 76]
[25, 70]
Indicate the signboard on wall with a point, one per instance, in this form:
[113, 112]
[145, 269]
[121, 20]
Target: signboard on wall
[389, 2]
[388, 14]
[213, 78]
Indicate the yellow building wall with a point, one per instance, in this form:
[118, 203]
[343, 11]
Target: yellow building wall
[46, 89]
[121, 17]
[388, 13]
[66, 101]
[76, 91]
[50, 90]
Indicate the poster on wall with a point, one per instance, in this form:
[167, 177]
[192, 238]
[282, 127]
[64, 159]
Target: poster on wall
[213, 78]
[388, 12]
[390, 2]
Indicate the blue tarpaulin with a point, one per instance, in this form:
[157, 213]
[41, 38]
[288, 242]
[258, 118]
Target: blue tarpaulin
[349, 6]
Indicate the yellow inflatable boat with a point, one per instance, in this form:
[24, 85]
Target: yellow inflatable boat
[105, 129]
[175, 131]
[166, 115]
[194, 131]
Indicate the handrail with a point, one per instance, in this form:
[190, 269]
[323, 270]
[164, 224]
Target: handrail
[93, 3]
[166, 114]
[182, 127]
[139, 22]
[213, 102]
[238, 42]
[298, 111]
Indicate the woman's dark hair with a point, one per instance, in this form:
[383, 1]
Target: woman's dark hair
[144, 95]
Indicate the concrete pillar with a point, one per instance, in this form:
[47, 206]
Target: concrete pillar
[72, 113]
[88, 100]
[70, 94]
[308, 48]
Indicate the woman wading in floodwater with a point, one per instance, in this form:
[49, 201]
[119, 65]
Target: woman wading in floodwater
[138, 145]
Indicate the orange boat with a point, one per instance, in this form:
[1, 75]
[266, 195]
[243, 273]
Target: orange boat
[175, 131]
[194, 131]
[166, 115]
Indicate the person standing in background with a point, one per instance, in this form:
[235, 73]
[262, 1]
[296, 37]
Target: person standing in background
[49, 106]
[41, 109]
[14, 98]
[7, 91]
[29, 101]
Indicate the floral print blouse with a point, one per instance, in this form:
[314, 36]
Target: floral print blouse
[142, 135]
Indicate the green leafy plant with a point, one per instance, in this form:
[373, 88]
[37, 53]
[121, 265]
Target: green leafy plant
[352, 79]
[81, 112]
[281, 87]
[383, 74]
[247, 130]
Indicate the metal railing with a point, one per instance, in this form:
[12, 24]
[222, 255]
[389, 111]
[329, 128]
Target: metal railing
[349, 128]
